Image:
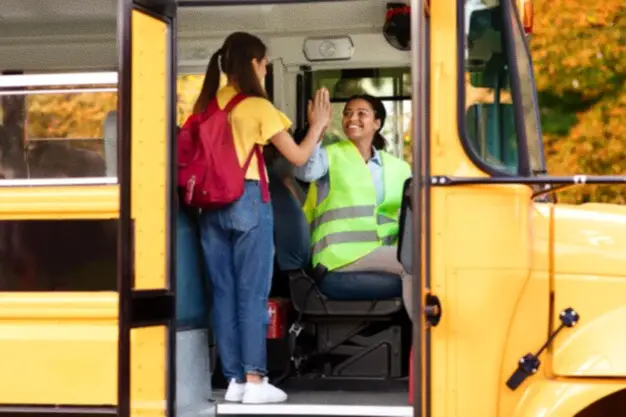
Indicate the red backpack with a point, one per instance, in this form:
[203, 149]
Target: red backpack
[208, 167]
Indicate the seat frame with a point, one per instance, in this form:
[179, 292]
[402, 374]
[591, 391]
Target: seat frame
[347, 339]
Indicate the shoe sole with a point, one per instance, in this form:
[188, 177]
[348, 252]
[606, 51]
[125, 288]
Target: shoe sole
[264, 402]
[233, 399]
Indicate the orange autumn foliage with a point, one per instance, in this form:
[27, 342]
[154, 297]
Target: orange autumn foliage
[579, 53]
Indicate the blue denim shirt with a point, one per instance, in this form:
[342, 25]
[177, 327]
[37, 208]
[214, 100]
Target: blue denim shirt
[316, 169]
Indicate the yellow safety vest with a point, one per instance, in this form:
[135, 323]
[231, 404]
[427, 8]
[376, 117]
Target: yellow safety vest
[346, 223]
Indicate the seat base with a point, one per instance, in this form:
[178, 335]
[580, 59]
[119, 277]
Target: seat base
[308, 299]
[360, 349]
[347, 339]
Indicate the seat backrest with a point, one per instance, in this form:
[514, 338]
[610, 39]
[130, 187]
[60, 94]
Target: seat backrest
[291, 229]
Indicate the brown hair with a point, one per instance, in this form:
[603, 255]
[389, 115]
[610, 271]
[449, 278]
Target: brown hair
[380, 113]
[234, 59]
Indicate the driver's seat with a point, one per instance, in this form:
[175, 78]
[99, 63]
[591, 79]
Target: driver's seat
[351, 337]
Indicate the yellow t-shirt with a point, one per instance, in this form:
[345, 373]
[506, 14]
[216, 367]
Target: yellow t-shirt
[254, 121]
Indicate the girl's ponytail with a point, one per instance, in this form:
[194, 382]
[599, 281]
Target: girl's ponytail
[211, 84]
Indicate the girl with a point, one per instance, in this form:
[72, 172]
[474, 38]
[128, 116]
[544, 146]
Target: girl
[237, 241]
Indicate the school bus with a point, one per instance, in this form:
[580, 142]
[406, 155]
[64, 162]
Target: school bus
[517, 299]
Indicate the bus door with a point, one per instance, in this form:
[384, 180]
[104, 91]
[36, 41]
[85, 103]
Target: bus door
[146, 131]
[414, 249]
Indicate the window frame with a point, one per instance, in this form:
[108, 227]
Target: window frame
[520, 127]
[539, 132]
[58, 83]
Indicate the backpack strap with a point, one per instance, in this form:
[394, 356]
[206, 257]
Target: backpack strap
[265, 190]
[256, 150]
[239, 97]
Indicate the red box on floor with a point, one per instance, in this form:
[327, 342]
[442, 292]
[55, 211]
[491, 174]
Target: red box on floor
[278, 309]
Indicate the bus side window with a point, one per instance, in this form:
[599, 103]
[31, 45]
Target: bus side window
[58, 255]
[56, 133]
[489, 112]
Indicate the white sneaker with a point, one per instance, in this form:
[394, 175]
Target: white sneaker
[235, 391]
[263, 393]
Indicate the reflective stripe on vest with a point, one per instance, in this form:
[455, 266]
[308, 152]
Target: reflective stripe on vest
[349, 213]
[344, 237]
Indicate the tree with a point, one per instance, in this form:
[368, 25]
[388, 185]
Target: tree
[579, 52]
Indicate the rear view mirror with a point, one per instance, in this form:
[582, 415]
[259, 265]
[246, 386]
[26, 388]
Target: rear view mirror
[491, 131]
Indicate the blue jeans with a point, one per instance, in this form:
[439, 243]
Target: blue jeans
[238, 245]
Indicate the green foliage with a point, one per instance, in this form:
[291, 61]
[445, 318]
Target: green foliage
[579, 52]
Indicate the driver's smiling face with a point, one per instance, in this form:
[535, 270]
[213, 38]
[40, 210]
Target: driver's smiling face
[359, 120]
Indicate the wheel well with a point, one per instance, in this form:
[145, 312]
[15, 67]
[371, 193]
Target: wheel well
[605, 407]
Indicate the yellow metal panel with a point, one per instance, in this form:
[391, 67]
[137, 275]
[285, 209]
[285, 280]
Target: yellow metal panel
[62, 202]
[479, 271]
[148, 371]
[58, 348]
[589, 276]
[149, 142]
[149, 134]
[595, 347]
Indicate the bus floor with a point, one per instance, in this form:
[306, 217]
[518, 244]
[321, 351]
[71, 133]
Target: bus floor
[325, 403]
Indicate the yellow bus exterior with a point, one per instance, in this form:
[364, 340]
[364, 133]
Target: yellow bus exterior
[503, 266]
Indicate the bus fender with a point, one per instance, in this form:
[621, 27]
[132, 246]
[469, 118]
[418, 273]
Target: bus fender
[594, 348]
[562, 398]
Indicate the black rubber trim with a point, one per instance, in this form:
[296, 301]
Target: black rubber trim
[535, 97]
[151, 308]
[211, 3]
[381, 98]
[159, 8]
[269, 83]
[125, 246]
[447, 181]
[47, 410]
[462, 128]
[172, 208]
[300, 115]
[304, 87]
[516, 90]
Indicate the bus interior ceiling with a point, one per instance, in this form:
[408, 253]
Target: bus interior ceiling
[58, 36]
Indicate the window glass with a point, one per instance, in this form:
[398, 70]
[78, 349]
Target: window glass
[489, 113]
[58, 255]
[391, 85]
[56, 132]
